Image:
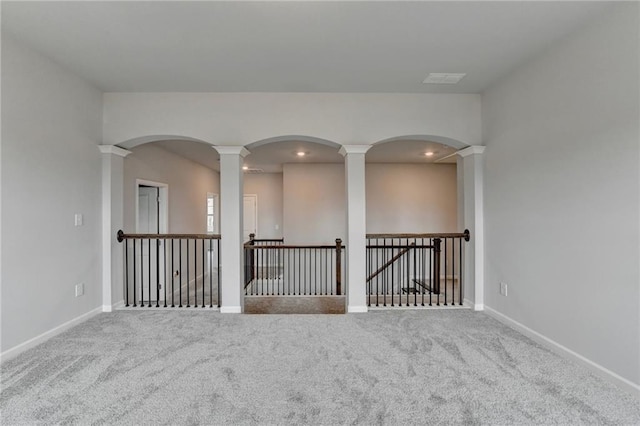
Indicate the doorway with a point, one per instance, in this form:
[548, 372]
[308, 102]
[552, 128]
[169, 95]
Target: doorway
[250, 216]
[152, 219]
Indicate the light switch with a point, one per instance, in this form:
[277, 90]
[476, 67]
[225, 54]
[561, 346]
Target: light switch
[79, 219]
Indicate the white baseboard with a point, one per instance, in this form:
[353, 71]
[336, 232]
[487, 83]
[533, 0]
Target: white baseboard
[565, 352]
[17, 350]
[471, 304]
[357, 309]
[113, 307]
[230, 309]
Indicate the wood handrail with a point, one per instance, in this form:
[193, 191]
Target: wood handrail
[390, 262]
[122, 236]
[466, 235]
[412, 245]
[280, 247]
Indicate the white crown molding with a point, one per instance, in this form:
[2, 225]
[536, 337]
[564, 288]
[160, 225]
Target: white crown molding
[232, 150]
[471, 150]
[354, 149]
[113, 149]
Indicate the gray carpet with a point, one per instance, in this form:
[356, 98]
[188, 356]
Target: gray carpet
[385, 367]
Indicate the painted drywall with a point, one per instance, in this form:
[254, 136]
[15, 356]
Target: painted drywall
[411, 198]
[189, 183]
[314, 203]
[268, 188]
[562, 193]
[243, 118]
[51, 170]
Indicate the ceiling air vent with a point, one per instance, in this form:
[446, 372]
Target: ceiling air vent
[443, 78]
[254, 171]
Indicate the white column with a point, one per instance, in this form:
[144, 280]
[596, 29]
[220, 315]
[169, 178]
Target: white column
[112, 222]
[356, 226]
[231, 215]
[471, 161]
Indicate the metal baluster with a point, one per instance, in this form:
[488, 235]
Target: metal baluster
[157, 283]
[164, 256]
[422, 262]
[126, 272]
[430, 272]
[188, 286]
[180, 271]
[445, 271]
[460, 268]
[210, 258]
[134, 272]
[149, 281]
[172, 274]
[203, 271]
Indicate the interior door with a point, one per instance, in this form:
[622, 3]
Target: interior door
[250, 219]
[151, 260]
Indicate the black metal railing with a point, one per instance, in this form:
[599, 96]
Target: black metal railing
[415, 269]
[275, 269]
[171, 270]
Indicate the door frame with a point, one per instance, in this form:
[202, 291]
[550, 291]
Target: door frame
[163, 219]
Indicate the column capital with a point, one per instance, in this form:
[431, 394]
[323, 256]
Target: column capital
[471, 150]
[113, 149]
[232, 150]
[354, 149]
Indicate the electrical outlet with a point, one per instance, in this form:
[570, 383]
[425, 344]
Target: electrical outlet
[78, 219]
[503, 289]
[79, 289]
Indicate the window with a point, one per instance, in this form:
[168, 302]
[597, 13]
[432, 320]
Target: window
[212, 201]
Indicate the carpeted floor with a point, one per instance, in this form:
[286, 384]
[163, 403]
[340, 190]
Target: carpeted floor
[201, 367]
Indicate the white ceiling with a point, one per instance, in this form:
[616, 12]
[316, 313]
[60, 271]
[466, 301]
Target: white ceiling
[327, 46]
[293, 46]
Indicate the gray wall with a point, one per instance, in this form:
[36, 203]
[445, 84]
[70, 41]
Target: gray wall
[51, 169]
[314, 203]
[562, 193]
[188, 183]
[411, 198]
[268, 188]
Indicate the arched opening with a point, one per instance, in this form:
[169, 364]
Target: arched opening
[295, 204]
[411, 185]
[190, 169]
[411, 195]
[171, 186]
[298, 181]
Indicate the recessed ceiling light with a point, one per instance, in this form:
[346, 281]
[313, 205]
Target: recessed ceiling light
[429, 153]
[301, 153]
[245, 167]
[444, 78]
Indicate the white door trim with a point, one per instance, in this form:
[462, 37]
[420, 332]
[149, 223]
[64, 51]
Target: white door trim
[164, 203]
[255, 197]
